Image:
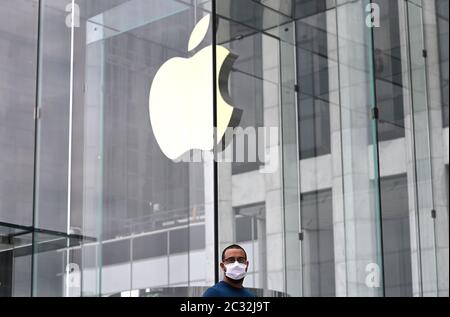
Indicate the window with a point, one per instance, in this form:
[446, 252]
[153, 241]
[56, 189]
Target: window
[246, 87]
[396, 236]
[313, 77]
[246, 229]
[388, 72]
[442, 24]
[247, 222]
[318, 244]
[179, 241]
[116, 252]
[197, 237]
[149, 246]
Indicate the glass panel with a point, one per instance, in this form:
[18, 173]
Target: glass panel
[420, 116]
[15, 261]
[394, 132]
[339, 145]
[442, 12]
[56, 264]
[102, 171]
[18, 59]
[284, 7]
[52, 148]
[306, 8]
[388, 72]
[396, 235]
[336, 79]
[252, 194]
[251, 14]
[314, 82]
[363, 249]
[318, 245]
[112, 22]
[18, 50]
[319, 145]
[290, 154]
[334, 177]
[436, 62]
[402, 82]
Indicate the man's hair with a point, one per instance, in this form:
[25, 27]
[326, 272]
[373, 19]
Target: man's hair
[233, 246]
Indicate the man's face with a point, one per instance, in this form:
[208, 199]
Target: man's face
[233, 255]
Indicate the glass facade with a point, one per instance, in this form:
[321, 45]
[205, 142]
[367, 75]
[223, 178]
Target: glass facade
[334, 179]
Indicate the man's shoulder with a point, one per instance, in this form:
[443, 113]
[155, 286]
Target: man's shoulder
[214, 291]
[221, 290]
[248, 292]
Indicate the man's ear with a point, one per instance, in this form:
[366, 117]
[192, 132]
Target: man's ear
[222, 266]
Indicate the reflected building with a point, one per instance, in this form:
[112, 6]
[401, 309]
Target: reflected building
[348, 198]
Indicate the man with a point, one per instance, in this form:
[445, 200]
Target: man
[234, 265]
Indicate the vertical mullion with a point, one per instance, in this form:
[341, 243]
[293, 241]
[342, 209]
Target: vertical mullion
[35, 162]
[377, 174]
[215, 164]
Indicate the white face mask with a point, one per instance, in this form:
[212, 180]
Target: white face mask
[236, 271]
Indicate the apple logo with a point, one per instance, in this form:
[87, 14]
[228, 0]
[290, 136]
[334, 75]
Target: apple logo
[181, 98]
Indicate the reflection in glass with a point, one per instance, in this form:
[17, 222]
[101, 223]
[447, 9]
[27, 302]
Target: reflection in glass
[354, 204]
[442, 12]
[18, 51]
[388, 72]
[318, 244]
[313, 81]
[396, 230]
